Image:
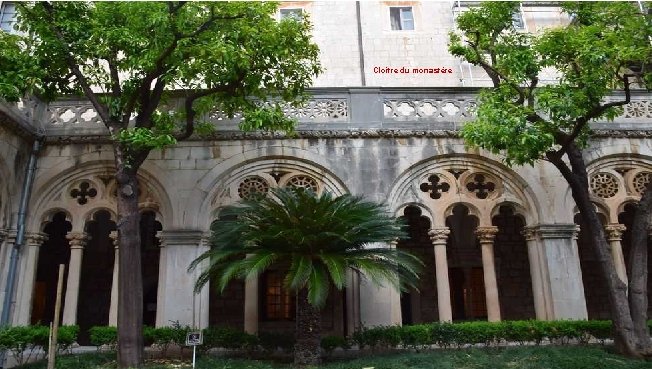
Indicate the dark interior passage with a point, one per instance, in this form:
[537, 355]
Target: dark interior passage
[419, 306]
[512, 267]
[96, 275]
[468, 300]
[54, 251]
[150, 256]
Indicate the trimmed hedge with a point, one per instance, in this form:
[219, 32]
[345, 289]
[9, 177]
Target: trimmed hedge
[25, 342]
[485, 333]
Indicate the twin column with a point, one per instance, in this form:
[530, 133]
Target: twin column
[486, 235]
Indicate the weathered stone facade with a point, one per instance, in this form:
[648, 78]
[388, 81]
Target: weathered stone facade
[498, 242]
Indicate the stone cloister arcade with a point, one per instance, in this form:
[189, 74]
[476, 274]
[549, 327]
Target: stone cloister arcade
[497, 242]
[477, 225]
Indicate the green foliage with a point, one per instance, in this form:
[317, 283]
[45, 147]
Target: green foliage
[272, 341]
[486, 333]
[66, 336]
[597, 52]
[161, 337]
[228, 338]
[530, 357]
[25, 342]
[321, 237]
[104, 336]
[330, 343]
[127, 57]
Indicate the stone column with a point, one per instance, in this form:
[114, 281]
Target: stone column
[251, 305]
[113, 308]
[562, 275]
[378, 304]
[614, 233]
[9, 239]
[396, 316]
[176, 300]
[439, 237]
[486, 237]
[25, 291]
[538, 288]
[77, 241]
[352, 302]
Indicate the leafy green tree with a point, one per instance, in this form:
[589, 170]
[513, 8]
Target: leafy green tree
[319, 238]
[126, 58]
[605, 46]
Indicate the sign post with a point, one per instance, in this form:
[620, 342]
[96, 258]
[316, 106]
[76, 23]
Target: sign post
[194, 339]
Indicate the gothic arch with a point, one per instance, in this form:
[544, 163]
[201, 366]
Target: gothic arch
[261, 175]
[479, 183]
[617, 180]
[83, 190]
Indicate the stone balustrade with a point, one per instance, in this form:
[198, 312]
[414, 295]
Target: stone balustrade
[360, 112]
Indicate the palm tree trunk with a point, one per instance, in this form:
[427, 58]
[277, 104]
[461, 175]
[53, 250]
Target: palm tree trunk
[307, 349]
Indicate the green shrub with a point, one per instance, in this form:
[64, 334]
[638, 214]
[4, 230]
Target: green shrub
[273, 341]
[330, 343]
[162, 337]
[104, 336]
[23, 341]
[416, 336]
[443, 334]
[228, 338]
[66, 336]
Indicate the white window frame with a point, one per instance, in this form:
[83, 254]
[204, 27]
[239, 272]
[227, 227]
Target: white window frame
[7, 24]
[401, 20]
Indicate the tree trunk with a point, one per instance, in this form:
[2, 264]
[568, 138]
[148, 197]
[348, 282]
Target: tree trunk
[307, 348]
[130, 285]
[638, 271]
[623, 327]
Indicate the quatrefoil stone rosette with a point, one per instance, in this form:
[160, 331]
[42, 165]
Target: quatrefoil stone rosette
[475, 185]
[480, 185]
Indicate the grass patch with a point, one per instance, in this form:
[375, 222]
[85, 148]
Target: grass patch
[547, 357]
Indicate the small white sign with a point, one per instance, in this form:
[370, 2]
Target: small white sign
[194, 339]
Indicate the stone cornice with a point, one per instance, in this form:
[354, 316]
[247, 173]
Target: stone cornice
[335, 133]
[180, 237]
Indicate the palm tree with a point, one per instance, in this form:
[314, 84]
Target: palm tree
[320, 237]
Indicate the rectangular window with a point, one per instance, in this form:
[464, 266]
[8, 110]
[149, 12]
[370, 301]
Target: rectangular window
[295, 13]
[278, 303]
[8, 16]
[517, 20]
[401, 18]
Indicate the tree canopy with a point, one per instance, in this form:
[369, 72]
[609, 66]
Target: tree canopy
[128, 57]
[152, 71]
[605, 47]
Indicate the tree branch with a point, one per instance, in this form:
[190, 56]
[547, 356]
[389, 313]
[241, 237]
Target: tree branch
[115, 77]
[74, 68]
[597, 111]
[190, 111]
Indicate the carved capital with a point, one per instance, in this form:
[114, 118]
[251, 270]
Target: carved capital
[438, 236]
[615, 231]
[530, 233]
[113, 235]
[486, 234]
[77, 240]
[3, 235]
[35, 238]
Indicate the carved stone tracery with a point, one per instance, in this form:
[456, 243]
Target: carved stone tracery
[435, 186]
[252, 186]
[604, 185]
[641, 181]
[480, 186]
